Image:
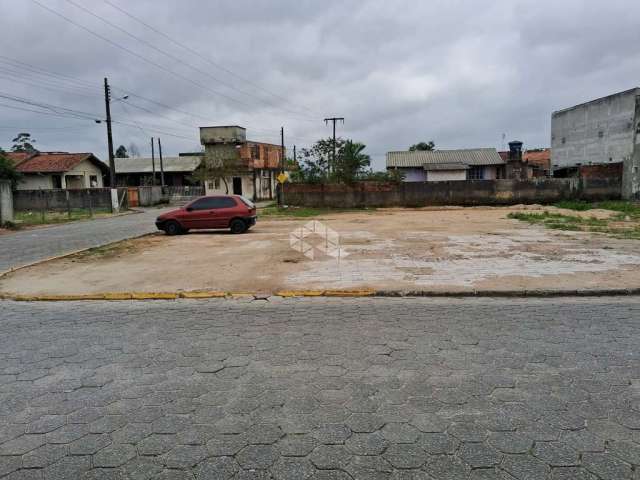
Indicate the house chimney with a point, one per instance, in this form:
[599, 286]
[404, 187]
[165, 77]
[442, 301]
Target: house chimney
[515, 151]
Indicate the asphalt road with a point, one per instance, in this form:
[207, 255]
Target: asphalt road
[321, 389]
[29, 246]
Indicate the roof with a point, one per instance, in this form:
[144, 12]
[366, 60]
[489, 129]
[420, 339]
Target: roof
[169, 164]
[541, 158]
[430, 167]
[18, 157]
[418, 159]
[54, 162]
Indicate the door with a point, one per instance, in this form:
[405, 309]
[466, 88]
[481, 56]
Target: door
[132, 196]
[237, 186]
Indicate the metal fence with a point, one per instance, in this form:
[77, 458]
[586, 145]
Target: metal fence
[182, 194]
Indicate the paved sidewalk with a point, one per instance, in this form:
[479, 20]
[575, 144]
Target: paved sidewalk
[20, 248]
[321, 389]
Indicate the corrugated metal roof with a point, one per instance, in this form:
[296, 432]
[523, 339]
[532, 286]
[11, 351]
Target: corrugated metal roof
[429, 167]
[476, 156]
[169, 164]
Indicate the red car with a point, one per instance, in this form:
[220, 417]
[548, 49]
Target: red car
[221, 211]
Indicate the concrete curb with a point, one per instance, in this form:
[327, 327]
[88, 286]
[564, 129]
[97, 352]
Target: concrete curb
[203, 294]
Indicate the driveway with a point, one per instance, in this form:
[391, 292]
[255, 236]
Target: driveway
[321, 389]
[25, 247]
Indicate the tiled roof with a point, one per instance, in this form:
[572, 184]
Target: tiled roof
[17, 157]
[53, 162]
[477, 156]
[541, 159]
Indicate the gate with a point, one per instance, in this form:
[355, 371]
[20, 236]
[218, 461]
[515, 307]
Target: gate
[132, 194]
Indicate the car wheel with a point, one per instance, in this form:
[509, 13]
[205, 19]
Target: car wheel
[172, 228]
[238, 226]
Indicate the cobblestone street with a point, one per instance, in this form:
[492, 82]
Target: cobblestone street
[323, 389]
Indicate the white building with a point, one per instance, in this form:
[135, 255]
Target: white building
[447, 165]
[47, 170]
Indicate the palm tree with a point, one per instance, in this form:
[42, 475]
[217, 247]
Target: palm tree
[352, 162]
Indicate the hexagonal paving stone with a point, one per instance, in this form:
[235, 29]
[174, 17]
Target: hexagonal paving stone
[107, 424]
[409, 475]
[68, 467]
[114, 456]
[400, 433]
[510, 442]
[468, 432]
[479, 455]
[429, 423]
[332, 434]
[226, 445]
[583, 441]
[556, 454]
[369, 468]
[170, 424]
[257, 457]
[67, 433]
[438, 443]
[525, 467]
[607, 466]
[571, 473]
[330, 457]
[22, 444]
[9, 464]
[265, 434]
[446, 467]
[365, 422]
[297, 445]
[367, 443]
[44, 455]
[89, 444]
[25, 475]
[131, 433]
[185, 456]
[156, 444]
[292, 469]
[221, 468]
[46, 424]
[405, 456]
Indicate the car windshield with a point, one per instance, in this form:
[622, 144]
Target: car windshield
[247, 202]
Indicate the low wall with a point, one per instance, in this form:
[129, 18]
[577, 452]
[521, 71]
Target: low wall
[464, 193]
[58, 199]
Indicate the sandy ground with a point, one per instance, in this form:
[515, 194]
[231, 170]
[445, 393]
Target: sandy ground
[427, 249]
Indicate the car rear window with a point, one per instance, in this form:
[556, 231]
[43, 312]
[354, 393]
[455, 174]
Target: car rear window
[247, 202]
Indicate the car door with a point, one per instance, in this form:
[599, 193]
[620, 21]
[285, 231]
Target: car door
[200, 214]
[227, 209]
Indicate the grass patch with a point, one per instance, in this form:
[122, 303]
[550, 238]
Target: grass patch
[558, 221]
[630, 209]
[35, 217]
[304, 212]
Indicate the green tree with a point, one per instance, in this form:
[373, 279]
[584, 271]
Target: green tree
[8, 170]
[423, 146]
[23, 143]
[315, 163]
[218, 164]
[121, 152]
[351, 163]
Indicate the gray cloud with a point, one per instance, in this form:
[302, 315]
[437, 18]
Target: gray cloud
[458, 72]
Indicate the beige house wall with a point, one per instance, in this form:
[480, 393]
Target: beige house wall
[446, 175]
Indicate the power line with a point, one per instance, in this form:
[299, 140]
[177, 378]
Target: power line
[173, 57]
[139, 56]
[199, 55]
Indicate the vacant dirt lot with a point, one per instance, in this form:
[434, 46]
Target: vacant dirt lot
[427, 249]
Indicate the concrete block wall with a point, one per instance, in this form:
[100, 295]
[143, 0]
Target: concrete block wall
[6, 202]
[469, 193]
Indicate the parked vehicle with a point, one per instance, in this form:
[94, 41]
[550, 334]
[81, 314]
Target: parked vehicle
[220, 211]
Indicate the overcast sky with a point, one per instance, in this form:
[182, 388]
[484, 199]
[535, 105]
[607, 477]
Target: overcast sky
[460, 73]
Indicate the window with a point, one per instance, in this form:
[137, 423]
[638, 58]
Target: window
[564, 140]
[247, 202]
[475, 173]
[600, 134]
[93, 181]
[211, 203]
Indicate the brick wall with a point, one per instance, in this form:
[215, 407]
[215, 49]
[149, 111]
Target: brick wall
[611, 170]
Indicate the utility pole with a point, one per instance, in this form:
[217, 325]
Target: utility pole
[112, 164]
[161, 165]
[295, 156]
[334, 120]
[153, 163]
[281, 196]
